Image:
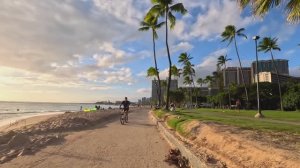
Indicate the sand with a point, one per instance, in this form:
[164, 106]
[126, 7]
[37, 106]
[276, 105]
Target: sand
[26, 122]
[220, 145]
[86, 140]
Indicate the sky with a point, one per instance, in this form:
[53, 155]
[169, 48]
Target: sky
[91, 50]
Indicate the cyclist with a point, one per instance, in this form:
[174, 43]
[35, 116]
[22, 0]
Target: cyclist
[125, 104]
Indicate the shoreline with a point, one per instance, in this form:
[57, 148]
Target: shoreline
[26, 120]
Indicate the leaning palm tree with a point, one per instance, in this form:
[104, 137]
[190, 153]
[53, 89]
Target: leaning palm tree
[261, 7]
[269, 44]
[151, 23]
[164, 8]
[229, 35]
[222, 62]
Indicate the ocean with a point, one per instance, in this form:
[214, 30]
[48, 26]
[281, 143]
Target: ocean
[12, 111]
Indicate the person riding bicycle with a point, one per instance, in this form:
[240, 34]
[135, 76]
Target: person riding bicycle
[125, 104]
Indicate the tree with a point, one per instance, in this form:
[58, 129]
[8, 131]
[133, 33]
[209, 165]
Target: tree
[175, 71]
[222, 62]
[151, 23]
[152, 72]
[229, 35]
[164, 8]
[200, 81]
[269, 44]
[188, 70]
[261, 7]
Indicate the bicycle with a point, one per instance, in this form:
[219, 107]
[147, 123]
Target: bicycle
[124, 116]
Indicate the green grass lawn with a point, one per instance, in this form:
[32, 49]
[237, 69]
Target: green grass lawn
[274, 121]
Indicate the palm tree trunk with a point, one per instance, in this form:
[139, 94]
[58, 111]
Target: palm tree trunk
[224, 78]
[278, 81]
[243, 79]
[155, 62]
[170, 61]
[194, 87]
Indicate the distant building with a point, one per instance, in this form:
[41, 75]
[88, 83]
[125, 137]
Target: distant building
[267, 66]
[173, 86]
[272, 78]
[232, 75]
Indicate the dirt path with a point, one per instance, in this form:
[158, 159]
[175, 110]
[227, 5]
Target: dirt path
[112, 145]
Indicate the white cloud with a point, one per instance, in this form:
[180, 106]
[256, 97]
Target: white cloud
[109, 56]
[182, 47]
[217, 15]
[124, 11]
[144, 90]
[100, 88]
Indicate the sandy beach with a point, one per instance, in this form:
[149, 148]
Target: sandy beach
[27, 121]
[84, 140]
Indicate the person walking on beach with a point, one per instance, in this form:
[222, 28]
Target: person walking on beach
[125, 104]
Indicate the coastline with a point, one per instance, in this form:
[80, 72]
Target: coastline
[26, 120]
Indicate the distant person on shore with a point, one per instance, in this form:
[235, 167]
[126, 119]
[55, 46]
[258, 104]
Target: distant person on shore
[80, 108]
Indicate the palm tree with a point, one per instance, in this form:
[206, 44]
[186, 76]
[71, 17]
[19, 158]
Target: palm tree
[188, 81]
[269, 44]
[152, 72]
[164, 8]
[188, 70]
[152, 24]
[175, 71]
[208, 80]
[222, 62]
[261, 7]
[229, 35]
[200, 81]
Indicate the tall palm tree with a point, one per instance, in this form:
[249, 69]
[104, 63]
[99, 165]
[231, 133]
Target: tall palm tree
[222, 62]
[229, 35]
[188, 70]
[188, 81]
[269, 44]
[164, 8]
[151, 23]
[261, 7]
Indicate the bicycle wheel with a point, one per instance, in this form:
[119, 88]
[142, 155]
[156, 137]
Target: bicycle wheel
[126, 117]
[122, 119]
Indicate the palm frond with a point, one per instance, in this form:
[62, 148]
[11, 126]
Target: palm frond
[158, 26]
[144, 28]
[144, 24]
[172, 20]
[154, 34]
[178, 8]
[261, 7]
[293, 10]
[243, 3]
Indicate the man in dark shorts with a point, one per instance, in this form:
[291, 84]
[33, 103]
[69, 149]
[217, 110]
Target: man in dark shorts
[125, 104]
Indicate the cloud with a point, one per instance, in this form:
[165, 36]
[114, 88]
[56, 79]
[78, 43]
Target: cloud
[182, 47]
[217, 15]
[100, 88]
[144, 90]
[109, 56]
